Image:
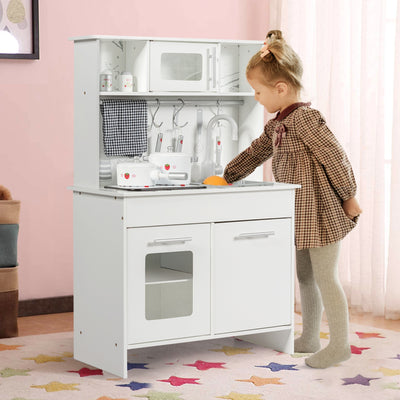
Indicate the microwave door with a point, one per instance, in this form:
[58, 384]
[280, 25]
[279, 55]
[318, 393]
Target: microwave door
[182, 67]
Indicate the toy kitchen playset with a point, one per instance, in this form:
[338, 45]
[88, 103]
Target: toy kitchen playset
[159, 257]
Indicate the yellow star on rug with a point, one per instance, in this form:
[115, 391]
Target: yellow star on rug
[258, 381]
[391, 385]
[8, 372]
[240, 396]
[4, 347]
[300, 355]
[56, 386]
[324, 335]
[231, 351]
[67, 354]
[43, 358]
[388, 371]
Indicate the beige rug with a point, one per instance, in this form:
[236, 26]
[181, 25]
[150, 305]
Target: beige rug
[42, 367]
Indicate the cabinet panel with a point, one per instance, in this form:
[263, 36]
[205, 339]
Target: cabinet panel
[252, 275]
[168, 282]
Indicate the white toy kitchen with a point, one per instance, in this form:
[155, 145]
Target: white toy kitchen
[159, 257]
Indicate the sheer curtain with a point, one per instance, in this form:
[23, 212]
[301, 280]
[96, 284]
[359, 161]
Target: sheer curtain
[342, 45]
[393, 273]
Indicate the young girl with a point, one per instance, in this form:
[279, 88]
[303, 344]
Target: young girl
[305, 152]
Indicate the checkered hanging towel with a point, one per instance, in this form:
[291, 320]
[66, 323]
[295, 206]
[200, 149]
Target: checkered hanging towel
[124, 127]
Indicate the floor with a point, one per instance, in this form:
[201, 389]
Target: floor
[52, 323]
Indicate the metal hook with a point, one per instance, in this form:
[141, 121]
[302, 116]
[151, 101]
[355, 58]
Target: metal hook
[218, 108]
[119, 44]
[153, 116]
[175, 116]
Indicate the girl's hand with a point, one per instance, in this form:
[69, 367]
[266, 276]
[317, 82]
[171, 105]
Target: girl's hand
[351, 208]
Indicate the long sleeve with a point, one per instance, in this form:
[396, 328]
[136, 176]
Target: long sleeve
[321, 142]
[248, 160]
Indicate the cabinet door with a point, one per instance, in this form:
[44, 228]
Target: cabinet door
[252, 275]
[168, 282]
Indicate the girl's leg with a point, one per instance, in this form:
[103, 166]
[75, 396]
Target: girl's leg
[324, 262]
[311, 305]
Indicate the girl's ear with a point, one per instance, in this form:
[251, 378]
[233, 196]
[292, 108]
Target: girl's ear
[282, 88]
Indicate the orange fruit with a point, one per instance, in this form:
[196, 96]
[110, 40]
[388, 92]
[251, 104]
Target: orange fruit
[215, 180]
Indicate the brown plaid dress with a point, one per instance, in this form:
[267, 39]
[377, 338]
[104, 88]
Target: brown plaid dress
[304, 152]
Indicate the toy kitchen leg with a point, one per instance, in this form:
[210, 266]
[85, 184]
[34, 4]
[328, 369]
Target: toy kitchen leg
[279, 340]
[99, 283]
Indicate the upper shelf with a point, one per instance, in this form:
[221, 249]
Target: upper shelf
[166, 39]
[175, 94]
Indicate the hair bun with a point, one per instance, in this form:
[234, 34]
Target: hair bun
[274, 35]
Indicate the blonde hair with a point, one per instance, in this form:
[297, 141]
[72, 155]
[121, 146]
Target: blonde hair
[281, 63]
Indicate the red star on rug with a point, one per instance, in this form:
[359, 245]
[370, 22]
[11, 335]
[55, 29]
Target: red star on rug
[368, 335]
[358, 350]
[177, 381]
[203, 365]
[88, 372]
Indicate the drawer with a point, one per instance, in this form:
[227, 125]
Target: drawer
[185, 208]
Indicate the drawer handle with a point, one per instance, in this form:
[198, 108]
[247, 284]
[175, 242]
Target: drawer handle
[255, 235]
[157, 242]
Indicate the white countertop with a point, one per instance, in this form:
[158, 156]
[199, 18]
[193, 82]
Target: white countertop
[184, 192]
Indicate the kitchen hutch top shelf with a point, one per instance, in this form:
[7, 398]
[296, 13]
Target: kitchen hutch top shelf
[175, 94]
[163, 39]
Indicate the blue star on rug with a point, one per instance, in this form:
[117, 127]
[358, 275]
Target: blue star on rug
[135, 385]
[137, 366]
[275, 367]
[396, 358]
[358, 380]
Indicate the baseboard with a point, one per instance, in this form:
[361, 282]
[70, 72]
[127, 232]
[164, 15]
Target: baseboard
[51, 305]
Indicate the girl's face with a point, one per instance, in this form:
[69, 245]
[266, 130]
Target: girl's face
[268, 96]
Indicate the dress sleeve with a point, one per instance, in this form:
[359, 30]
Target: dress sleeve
[248, 160]
[322, 143]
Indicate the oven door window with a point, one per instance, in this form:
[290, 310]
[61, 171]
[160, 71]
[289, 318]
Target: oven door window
[169, 285]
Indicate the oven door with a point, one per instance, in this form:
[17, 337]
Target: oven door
[183, 67]
[168, 282]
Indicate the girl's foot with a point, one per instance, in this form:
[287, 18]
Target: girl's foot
[329, 356]
[306, 345]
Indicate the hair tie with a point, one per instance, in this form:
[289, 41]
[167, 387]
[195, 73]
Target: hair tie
[264, 50]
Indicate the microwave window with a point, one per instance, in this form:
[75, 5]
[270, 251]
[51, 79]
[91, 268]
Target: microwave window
[181, 66]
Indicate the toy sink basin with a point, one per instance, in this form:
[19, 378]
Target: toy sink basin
[242, 183]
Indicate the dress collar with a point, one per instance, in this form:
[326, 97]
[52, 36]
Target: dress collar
[282, 115]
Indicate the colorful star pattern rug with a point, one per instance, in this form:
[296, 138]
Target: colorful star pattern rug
[42, 367]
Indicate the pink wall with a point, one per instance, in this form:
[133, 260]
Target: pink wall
[36, 109]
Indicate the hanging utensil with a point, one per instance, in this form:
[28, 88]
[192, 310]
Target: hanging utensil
[196, 167]
[159, 142]
[179, 144]
[218, 151]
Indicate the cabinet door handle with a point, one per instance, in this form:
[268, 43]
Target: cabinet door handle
[212, 68]
[156, 242]
[254, 235]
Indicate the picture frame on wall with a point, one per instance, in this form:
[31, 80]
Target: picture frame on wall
[19, 29]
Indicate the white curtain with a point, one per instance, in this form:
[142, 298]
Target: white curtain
[342, 45]
[393, 273]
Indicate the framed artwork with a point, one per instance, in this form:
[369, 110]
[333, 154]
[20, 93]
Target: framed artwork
[19, 29]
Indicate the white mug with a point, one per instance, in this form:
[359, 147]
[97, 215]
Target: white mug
[126, 82]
